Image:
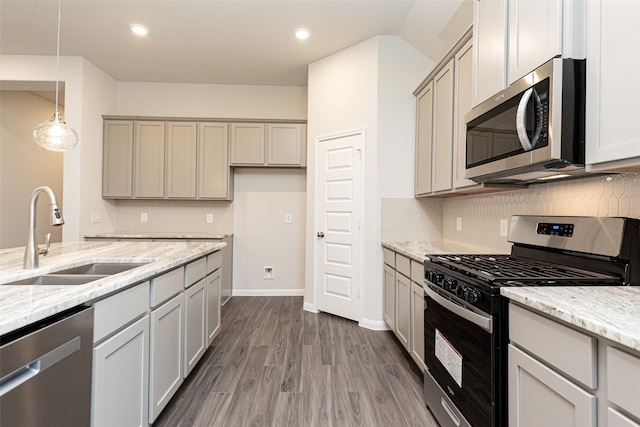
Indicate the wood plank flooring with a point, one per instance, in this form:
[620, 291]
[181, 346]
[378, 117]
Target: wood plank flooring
[274, 364]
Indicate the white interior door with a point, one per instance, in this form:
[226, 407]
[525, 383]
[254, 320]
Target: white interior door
[338, 223]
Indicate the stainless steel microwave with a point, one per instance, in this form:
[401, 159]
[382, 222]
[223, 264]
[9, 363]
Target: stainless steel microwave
[531, 131]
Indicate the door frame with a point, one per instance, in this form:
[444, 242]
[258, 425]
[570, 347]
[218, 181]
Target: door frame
[318, 141]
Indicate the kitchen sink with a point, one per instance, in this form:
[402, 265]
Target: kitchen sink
[58, 280]
[101, 268]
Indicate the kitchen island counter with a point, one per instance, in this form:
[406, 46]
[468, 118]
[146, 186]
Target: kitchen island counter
[21, 305]
[611, 312]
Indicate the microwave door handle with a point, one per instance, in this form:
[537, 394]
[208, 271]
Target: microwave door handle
[521, 120]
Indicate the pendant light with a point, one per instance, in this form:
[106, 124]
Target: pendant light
[55, 135]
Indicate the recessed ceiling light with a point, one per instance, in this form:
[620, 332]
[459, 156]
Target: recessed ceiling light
[139, 30]
[302, 33]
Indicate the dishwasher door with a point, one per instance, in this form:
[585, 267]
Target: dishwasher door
[45, 372]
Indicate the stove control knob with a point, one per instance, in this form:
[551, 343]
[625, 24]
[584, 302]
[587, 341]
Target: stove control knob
[461, 291]
[438, 278]
[472, 296]
[450, 285]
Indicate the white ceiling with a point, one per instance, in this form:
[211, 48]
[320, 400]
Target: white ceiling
[216, 41]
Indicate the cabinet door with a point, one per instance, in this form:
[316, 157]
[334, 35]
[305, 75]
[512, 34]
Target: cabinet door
[538, 396]
[403, 309]
[424, 137]
[120, 378]
[180, 172]
[247, 143]
[489, 48]
[149, 159]
[286, 144]
[166, 358]
[117, 159]
[417, 324]
[214, 283]
[215, 178]
[195, 334]
[612, 86]
[389, 302]
[442, 151]
[535, 35]
[462, 105]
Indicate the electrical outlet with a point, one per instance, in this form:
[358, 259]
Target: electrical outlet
[143, 217]
[95, 217]
[268, 273]
[504, 227]
[209, 218]
[288, 219]
[459, 223]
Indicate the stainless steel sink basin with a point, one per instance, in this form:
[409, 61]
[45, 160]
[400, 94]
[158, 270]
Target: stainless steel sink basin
[103, 268]
[59, 280]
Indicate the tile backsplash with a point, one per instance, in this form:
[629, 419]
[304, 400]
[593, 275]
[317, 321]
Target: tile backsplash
[603, 195]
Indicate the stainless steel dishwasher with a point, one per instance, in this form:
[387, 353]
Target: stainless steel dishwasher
[45, 372]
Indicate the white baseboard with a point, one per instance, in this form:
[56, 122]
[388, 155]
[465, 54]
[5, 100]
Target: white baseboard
[310, 307]
[268, 292]
[376, 325]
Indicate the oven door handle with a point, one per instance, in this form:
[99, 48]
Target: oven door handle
[484, 322]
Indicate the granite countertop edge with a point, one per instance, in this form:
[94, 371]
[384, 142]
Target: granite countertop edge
[416, 250]
[21, 305]
[159, 235]
[610, 312]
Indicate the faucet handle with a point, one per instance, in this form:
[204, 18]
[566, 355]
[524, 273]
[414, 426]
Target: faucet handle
[46, 250]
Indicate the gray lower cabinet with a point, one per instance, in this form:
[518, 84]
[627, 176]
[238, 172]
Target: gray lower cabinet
[165, 366]
[214, 287]
[121, 359]
[403, 302]
[195, 334]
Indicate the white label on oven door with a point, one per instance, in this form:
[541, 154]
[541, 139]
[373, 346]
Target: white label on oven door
[449, 357]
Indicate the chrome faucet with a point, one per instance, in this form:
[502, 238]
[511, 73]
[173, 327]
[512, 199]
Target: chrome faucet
[31, 251]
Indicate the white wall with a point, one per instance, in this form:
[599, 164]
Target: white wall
[261, 236]
[24, 165]
[89, 93]
[366, 86]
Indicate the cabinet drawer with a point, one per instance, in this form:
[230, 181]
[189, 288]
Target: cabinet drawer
[417, 272]
[623, 382]
[118, 310]
[214, 262]
[570, 351]
[616, 419]
[403, 265]
[165, 286]
[389, 257]
[195, 271]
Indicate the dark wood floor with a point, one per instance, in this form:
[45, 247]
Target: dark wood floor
[274, 364]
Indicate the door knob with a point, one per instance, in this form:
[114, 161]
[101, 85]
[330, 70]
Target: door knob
[320, 234]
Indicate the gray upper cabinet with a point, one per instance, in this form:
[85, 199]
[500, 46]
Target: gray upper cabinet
[215, 178]
[149, 151]
[247, 144]
[286, 144]
[268, 145]
[180, 171]
[155, 159]
[117, 170]
[424, 138]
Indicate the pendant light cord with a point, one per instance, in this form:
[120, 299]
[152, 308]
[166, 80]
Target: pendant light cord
[58, 56]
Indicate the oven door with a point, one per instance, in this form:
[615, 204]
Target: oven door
[459, 358]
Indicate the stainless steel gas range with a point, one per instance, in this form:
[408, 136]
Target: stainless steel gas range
[465, 319]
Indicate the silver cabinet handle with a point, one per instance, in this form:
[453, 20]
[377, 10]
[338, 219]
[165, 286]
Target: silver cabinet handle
[320, 234]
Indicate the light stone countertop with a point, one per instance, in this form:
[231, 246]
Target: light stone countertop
[21, 305]
[417, 250]
[611, 312]
[158, 235]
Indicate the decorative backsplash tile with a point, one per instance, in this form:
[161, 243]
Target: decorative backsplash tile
[411, 220]
[435, 219]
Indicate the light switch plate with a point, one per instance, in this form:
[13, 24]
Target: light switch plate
[95, 217]
[459, 223]
[143, 217]
[288, 218]
[209, 218]
[504, 227]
